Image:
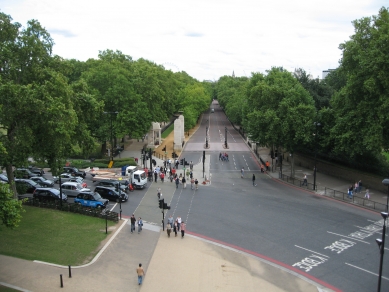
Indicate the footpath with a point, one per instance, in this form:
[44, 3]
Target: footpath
[171, 264]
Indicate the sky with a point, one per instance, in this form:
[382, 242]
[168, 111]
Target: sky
[205, 38]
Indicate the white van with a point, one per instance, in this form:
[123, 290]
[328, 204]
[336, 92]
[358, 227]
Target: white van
[212, 110]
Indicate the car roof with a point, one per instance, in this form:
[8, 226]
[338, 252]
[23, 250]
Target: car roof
[50, 189]
[72, 183]
[108, 180]
[105, 187]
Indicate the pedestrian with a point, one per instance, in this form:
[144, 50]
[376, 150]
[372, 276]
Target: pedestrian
[356, 187]
[267, 165]
[191, 174]
[360, 186]
[192, 181]
[191, 165]
[305, 182]
[177, 182]
[140, 224]
[141, 273]
[133, 221]
[168, 229]
[220, 156]
[242, 172]
[367, 194]
[196, 184]
[159, 193]
[155, 175]
[262, 168]
[162, 176]
[170, 220]
[183, 227]
[350, 192]
[178, 223]
[175, 228]
[254, 180]
[183, 182]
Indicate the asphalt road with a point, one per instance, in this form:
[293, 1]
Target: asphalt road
[329, 240]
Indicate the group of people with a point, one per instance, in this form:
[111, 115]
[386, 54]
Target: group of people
[223, 156]
[357, 188]
[177, 226]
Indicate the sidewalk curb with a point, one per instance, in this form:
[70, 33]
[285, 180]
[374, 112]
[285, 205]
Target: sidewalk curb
[124, 223]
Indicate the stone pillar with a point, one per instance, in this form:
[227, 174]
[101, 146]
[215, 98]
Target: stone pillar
[177, 134]
[182, 133]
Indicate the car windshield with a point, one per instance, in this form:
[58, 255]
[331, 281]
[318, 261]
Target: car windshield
[96, 196]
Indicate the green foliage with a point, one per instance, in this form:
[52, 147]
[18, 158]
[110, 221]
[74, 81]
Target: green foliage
[167, 131]
[10, 208]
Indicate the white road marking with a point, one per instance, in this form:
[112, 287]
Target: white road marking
[348, 237]
[366, 271]
[312, 251]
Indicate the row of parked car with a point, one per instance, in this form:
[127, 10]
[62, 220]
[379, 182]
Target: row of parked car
[72, 185]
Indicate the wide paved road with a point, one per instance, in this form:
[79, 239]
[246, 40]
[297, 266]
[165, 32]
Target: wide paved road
[316, 236]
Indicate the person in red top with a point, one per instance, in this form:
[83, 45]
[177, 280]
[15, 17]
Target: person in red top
[267, 165]
[162, 176]
[183, 228]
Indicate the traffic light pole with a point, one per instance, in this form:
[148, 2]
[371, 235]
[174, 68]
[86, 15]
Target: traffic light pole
[163, 220]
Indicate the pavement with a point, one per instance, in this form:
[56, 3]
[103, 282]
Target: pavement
[192, 263]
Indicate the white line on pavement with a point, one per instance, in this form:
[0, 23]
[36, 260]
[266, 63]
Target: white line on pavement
[312, 251]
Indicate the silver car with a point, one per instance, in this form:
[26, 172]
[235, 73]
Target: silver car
[72, 189]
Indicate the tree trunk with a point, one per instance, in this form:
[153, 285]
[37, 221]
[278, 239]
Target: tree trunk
[292, 165]
[10, 175]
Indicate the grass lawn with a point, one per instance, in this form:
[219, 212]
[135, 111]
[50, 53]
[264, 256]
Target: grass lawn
[53, 236]
[167, 131]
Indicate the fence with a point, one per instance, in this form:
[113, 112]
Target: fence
[342, 196]
[75, 208]
[296, 181]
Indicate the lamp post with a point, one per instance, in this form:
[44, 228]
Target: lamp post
[386, 183]
[314, 170]
[111, 113]
[225, 137]
[381, 246]
[206, 137]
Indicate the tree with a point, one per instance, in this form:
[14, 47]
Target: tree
[282, 111]
[361, 107]
[10, 208]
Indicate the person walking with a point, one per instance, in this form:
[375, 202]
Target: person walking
[183, 228]
[254, 180]
[305, 182]
[162, 176]
[196, 184]
[140, 224]
[367, 194]
[141, 273]
[175, 228]
[168, 229]
[192, 181]
[183, 182]
[350, 192]
[133, 221]
[178, 223]
[155, 175]
[356, 187]
[191, 165]
[267, 165]
[170, 221]
[177, 182]
[242, 172]
[360, 186]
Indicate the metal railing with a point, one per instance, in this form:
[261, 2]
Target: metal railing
[75, 208]
[295, 181]
[342, 196]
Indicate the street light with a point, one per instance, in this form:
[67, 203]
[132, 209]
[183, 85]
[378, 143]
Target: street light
[225, 138]
[381, 246]
[386, 182]
[314, 170]
[111, 113]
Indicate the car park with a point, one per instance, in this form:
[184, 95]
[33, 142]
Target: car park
[43, 181]
[112, 184]
[111, 194]
[91, 199]
[74, 170]
[26, 185]
[65, 177]
[23, 173]
[49, 195]
[72, 189]
[79, 180]
[38, 171]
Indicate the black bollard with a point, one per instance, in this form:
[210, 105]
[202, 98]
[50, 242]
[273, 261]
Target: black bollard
[60, 277]
[70, 272]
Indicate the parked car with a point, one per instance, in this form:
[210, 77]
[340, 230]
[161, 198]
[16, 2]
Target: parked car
[112, 184]
[72, 189]
[91, 199]
[3, 178]
[79, 180]
[74, 170]
[49, 195]
[43, 181]
[26, 185]
[23, 173]
[65, 177]
[38, 171]
[111, 194]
